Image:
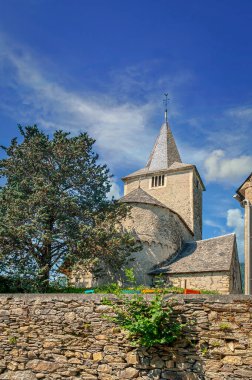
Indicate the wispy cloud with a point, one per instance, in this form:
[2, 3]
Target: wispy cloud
[122, 125]
[35, 97]
[243, 114]
[214, 224]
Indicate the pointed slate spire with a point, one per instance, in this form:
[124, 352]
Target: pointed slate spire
[165, 151]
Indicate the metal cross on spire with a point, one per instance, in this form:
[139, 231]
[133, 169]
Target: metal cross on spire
[165, 101]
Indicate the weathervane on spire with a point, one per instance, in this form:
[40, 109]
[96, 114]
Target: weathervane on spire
[165, 101]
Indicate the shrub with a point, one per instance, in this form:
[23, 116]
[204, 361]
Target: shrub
[148, 322]
[17, 285]
[112, 288]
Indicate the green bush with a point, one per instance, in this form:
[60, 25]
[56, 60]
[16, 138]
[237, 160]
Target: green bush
[204, 291]
[112, 288]
[69, 289]
[17, 285]
[148, 322]
[173, 289]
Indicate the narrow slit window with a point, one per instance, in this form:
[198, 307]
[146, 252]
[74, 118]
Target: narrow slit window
[157, 181]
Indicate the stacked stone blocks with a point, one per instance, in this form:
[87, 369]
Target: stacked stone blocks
[67, 337]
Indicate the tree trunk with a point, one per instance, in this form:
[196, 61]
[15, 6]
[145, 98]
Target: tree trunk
[44, 269]
[45, 262]
[43, 278]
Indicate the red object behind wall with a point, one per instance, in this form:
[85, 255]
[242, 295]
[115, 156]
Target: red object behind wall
[191, 291]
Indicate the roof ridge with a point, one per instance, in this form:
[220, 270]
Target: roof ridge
[212, 238]
[146, 170]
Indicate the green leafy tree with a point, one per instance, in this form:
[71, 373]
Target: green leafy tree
[53, 208]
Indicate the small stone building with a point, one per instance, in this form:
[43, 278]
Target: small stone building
[166, 216]
[195, 268]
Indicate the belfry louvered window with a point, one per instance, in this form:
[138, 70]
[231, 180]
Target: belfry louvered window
[157, 180]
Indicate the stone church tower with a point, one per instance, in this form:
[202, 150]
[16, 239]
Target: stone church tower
[166, 200]
[176, 185]
[166, 216]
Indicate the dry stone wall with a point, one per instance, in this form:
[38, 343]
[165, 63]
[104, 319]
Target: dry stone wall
[67, 337]
[214, 281]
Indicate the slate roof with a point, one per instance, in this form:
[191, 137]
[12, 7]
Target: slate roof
[201, 256]
[137, 173]
[164, 156]
[140, 196]
[165, 151]
[180, 165]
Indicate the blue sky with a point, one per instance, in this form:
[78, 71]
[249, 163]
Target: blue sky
[103, 66]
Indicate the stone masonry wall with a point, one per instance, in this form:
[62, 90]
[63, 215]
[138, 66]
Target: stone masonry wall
[217, 281]
[177, 194]
[67, 337]
[162, 234]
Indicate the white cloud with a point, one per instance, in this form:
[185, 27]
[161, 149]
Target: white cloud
[211, 223]
[235, 220]
[121, 118]
[242, 113]
[193, 155]
[220, 168]
[38, 98]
